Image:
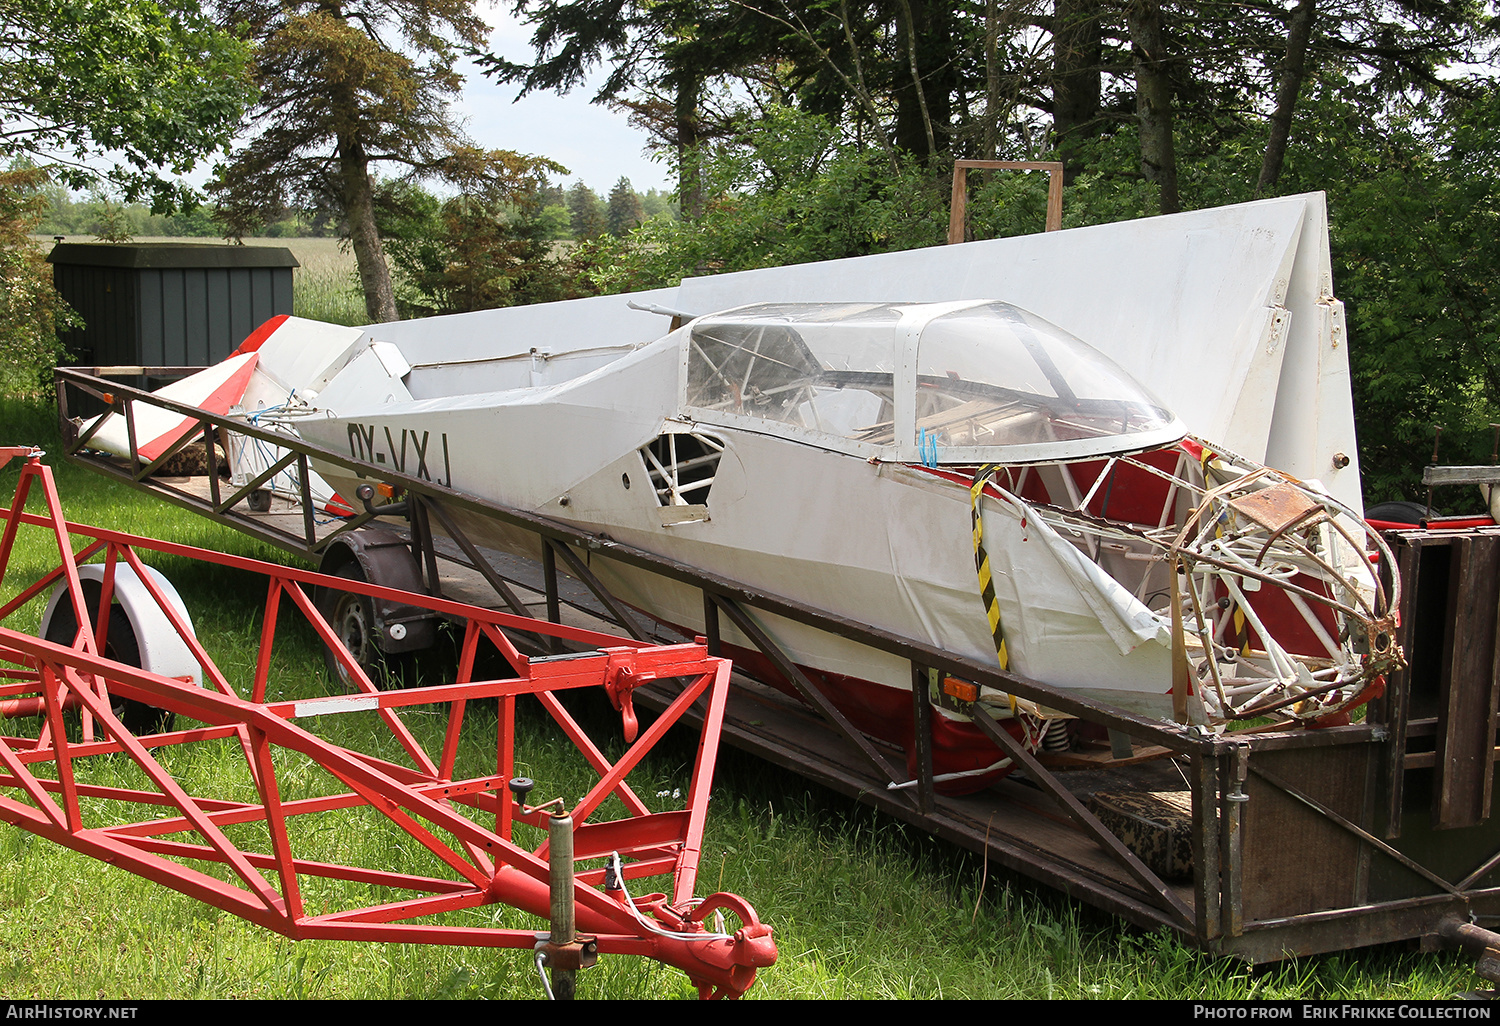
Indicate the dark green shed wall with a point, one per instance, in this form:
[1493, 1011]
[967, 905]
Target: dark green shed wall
[169, 305]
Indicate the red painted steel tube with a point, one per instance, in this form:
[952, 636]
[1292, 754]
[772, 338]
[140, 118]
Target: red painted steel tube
[44, 779]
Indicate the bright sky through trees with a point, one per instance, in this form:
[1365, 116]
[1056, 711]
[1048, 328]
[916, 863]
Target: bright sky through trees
[595, 144]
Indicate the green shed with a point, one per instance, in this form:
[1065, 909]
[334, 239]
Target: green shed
[169, 304]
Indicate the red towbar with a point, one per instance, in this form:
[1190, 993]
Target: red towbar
[469, 822]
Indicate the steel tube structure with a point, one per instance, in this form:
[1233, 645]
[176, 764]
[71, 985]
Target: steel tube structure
[467, 823]
[1271, 875]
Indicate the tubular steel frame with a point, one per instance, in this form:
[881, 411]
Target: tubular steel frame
[1157, 904]
[466, 823]
[1222, 910]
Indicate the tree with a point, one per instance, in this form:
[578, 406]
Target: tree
[489, 245]
[1153, 101]
[625, 210]
[151, 87]
[663, 55]
[111, 95]
[1414, 206]
[1290, 76]
[346, 86]
[788, 190]
[1154, 105]
[31, 311]
[588, 216]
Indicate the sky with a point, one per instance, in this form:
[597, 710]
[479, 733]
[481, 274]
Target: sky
[592, 142]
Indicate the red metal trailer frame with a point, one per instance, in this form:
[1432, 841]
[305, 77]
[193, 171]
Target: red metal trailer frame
[467, 823]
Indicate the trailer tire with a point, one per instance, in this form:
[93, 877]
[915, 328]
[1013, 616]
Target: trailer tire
[121, 646]
[1398, 512]
[259, 501]
[352, 618]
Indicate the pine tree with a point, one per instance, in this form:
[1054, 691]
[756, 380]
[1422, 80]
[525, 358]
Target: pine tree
[625, 211]
[589, 218]
[346, 86]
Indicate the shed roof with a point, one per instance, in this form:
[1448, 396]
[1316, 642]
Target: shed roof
[169, 255]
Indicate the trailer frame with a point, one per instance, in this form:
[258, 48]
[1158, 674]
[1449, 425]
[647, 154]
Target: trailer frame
[246, 854]
[1389, 839]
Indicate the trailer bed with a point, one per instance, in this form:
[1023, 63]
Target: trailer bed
[1301, 841]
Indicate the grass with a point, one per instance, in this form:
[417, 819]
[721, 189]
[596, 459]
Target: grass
[862, 906]
[326, 286]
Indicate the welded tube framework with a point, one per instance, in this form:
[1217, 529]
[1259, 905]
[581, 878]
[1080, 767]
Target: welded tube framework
[1370, 865]
[467, 823]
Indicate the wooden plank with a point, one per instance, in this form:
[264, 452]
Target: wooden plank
[1460, 475]
[1296, 859]
[1462, 778]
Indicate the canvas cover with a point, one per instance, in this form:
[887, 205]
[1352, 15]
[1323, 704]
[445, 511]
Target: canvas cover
[1227, 315]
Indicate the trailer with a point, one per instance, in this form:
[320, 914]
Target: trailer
[1257, 842]
[116, 662]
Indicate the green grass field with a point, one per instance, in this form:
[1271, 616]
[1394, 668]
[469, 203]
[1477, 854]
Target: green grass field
[862, 906]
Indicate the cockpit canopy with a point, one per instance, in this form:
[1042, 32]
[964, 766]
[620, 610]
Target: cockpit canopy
[958, 382]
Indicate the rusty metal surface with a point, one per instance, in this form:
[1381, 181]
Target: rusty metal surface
[1276, 508]
[1341, 929]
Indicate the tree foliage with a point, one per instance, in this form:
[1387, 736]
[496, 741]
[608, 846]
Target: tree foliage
[1003, 78]
[31, 311]
[662, 55]
[488, 245]
[787, 190]
[847, 113]
[1414, 214]
[624, 211]
[586, 212]
[113, 95]
[148, 86]
[348, 86]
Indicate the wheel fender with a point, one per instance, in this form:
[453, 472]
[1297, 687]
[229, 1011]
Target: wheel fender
[387, 561]
[162, 650]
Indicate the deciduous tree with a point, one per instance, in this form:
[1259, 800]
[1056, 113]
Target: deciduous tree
[116, 94]
[31, 311]
[132, 92]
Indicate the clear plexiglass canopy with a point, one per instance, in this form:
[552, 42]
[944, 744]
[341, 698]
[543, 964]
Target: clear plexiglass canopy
[935, 382]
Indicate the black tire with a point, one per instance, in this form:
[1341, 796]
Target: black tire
[259, 501]
[352, 618]
[1398, 512]
[121, 646]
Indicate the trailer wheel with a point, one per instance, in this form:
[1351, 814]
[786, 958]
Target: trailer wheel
[1398, 512]
[259, 501]
[121, 646]
[352, 618]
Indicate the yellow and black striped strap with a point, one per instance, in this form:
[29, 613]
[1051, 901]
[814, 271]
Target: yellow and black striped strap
[982, 563]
